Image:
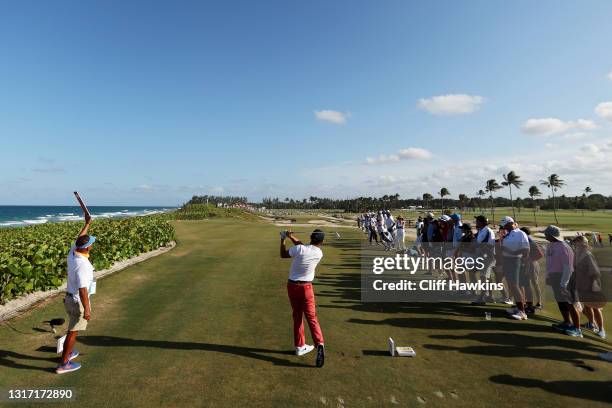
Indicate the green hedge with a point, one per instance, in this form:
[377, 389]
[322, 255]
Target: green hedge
[34, 258]
[203, 211]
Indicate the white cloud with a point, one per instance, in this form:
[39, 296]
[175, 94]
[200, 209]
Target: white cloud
[382, 159]
[414, 153]
[410, 153]
[452, 104]
[604, 110]
[579, 164]
[552, 126]
[332, 116]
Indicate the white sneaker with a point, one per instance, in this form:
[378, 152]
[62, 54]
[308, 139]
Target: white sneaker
[519, 316]
[602, 333]
[305, 349]
[512, 310]
[508, 301]
[606, 356]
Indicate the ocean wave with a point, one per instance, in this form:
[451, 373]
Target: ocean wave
[68, 218]
[36, 221]
[72, 217]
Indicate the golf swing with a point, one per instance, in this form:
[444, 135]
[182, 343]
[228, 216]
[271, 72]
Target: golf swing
[300, 291]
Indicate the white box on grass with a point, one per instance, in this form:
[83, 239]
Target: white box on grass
[400, 351]
[60, 344]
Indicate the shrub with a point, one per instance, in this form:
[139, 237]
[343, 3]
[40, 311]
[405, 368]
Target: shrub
[34, 258]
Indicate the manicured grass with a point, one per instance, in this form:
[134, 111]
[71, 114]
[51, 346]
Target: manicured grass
[209, 324]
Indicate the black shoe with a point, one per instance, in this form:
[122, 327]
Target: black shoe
[530, 310]
[320, 355]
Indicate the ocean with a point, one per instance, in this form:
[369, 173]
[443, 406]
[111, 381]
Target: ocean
[22, 215]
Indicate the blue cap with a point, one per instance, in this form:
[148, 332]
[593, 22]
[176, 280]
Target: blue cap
[456, 217]
[92, 239]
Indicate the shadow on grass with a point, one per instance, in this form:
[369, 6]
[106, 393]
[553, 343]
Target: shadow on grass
[589, 390]
[377, 353]
[512, 351]
[12, 359]
[250, 352]
[521, 340]
[439, 323]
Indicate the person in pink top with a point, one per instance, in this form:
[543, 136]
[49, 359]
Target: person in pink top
[559, 270]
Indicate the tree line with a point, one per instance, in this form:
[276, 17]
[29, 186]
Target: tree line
[428, 201]
[215, 200]
[483, 199]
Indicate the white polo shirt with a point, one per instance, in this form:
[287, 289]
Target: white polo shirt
[305, 260]
[513, 241]
[482, 237]
[80, 273]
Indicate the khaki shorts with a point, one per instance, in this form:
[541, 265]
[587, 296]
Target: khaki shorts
[554, 281]
[75, 313]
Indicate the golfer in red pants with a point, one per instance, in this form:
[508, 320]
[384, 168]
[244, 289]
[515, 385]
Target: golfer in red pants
[301, 294]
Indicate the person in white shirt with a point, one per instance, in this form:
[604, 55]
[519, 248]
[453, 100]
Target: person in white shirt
[76, 301]
[485, 248]
[300, 291]
[400, 234]
[515, 252]
[381, 229]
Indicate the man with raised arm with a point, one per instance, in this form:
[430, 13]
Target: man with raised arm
[76, 301]
[301, 294]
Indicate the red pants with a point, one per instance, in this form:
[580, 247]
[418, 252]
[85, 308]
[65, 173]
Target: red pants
[302, 301]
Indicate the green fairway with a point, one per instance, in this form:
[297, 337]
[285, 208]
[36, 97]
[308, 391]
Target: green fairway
[209, 324]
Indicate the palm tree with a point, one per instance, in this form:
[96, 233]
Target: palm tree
[443, 193]
[588, 190]
[427, 198]
[534, 192]
[481, 194]
[463, 201]
[490, 188]
[553, 182]
[512, 180]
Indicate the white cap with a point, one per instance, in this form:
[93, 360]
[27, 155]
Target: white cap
[506, 220]
[445, 218]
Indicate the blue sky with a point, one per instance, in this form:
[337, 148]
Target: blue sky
[147, 103]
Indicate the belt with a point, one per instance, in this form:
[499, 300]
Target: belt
[298, 282]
